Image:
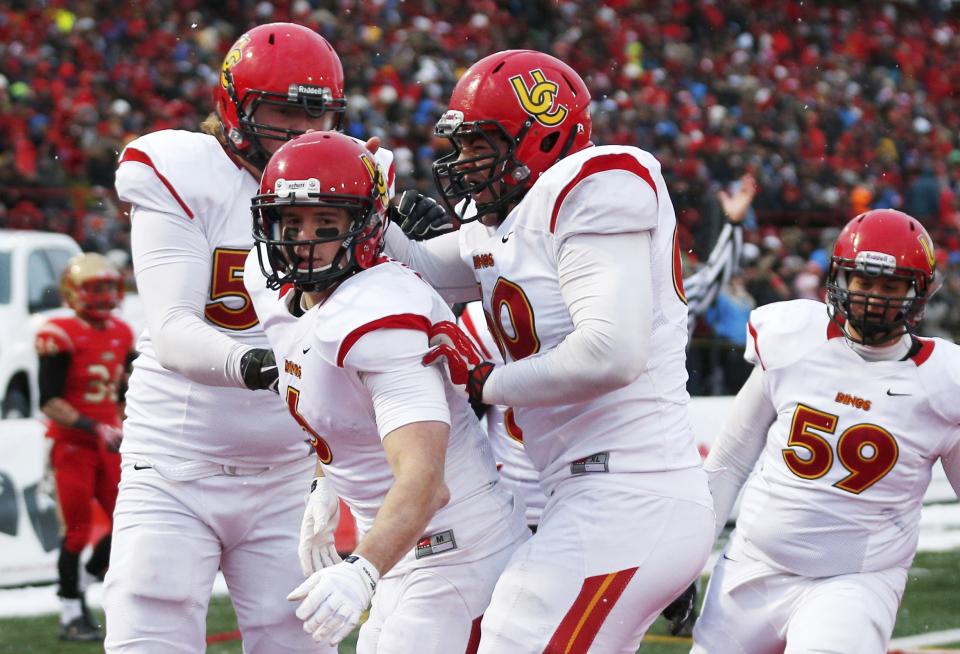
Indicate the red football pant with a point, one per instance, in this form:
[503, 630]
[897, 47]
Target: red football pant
[83, 474]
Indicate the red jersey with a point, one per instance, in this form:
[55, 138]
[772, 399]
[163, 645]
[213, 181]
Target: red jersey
[98, 360]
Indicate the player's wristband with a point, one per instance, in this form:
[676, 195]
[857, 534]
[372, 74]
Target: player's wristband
[85, 424]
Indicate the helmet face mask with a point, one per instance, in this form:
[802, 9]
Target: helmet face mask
[304, 269]
[881, 276]
[532, 110]
[314, 103]
[493, 169]
[354, 189]
[91, 286]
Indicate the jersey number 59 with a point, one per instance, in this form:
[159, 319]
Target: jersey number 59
[867, 451]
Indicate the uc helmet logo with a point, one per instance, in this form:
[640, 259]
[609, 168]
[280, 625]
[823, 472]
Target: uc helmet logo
[927, 250]
[539, 100]
[233, 58]
[380, 184]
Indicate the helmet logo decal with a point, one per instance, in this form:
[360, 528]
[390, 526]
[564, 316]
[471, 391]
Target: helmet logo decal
[927, 249]
[379, 183]
[296, 91]
[233, 58]
[876, 263]
[297, 189]
[538, 100]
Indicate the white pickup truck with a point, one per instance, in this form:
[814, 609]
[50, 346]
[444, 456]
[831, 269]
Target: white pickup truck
[30, 267]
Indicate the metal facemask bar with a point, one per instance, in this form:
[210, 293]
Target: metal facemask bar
[284, 263]
[867, 312]
[315, 101]
[450, 172]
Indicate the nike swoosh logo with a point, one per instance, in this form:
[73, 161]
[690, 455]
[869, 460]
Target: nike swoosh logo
[504, 239]
[892, 394]
[307, 349]
[137, 466]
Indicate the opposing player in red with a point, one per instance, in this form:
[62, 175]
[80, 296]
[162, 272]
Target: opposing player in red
[214, 468]
[843, 417]
[83, 364]
[574, 256]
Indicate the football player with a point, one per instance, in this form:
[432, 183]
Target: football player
[573, 253]
[846, 412]
[213, 468]
[84, 360]
[396, 440]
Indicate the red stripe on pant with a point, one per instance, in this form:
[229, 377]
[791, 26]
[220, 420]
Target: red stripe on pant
[582, 622]
[473, 643]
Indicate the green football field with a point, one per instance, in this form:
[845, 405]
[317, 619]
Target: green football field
[930, 605]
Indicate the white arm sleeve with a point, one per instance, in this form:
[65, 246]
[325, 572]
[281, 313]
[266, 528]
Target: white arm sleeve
[739, 445]
[172, 261]
[951, 466]
[438, 262]
[609, 344]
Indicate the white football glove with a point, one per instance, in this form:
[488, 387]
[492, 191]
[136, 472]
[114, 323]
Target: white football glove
[334, 598]
[317, 549]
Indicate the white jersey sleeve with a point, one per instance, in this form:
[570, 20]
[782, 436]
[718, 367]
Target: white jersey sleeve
[172, 254]
[403, 390]
[610, 194]
[781, 333]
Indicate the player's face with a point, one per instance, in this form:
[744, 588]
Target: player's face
[878, 288]
[311, 223]
[290, 117]
[484, 151]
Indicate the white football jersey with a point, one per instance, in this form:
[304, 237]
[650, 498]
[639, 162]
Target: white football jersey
[190, 175]
[506, 440]
[323, 356]
[839, 486]
[644, 426]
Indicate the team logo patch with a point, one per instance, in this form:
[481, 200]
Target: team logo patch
[482, 261]
[292, 368]
[927, 249]
[233, 58]
[539, 100]
[379, 182]
[430, 545]
[598, 462]
[852, 400]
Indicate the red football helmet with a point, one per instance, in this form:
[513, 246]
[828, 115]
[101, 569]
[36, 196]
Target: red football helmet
[278, 64]
[91, 286]
[881, 243]
[320, 169]
[531, 108]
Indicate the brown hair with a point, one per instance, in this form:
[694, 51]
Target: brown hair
[211, 125]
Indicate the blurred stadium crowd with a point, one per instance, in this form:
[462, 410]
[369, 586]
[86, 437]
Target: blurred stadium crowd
[834, 107]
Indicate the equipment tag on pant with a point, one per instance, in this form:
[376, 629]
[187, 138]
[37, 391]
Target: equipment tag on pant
[593, 463]
[435, 544]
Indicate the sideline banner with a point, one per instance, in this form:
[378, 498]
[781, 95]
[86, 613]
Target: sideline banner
[29, 526]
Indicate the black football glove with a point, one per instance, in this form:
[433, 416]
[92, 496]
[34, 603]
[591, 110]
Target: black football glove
[259, 370]
[420, 216]
[682, 612]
